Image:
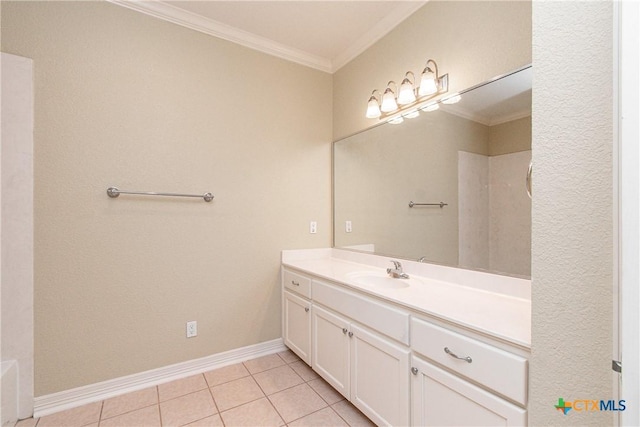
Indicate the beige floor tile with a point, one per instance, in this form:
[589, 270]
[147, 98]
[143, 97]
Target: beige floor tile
[277, 379]
[181, 387]
[212, 421]
[226, 374]
[328, 393]
[145, 417]
[351, 414]
[129, 402]
[297, 402]
[75, 417]
[27, 422]
[263, 363]
[288, 356]
[187, 409]
[304, 370]
[323, 418]
[236, 393]
[257, 413]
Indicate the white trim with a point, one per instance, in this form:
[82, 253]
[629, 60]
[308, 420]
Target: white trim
[176, 15]
[629, 210]
[55, 402]
[199, 23]
[381, 29]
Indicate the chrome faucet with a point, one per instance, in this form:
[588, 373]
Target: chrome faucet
[397, 272]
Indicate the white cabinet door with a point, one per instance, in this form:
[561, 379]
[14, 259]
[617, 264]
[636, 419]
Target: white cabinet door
[297, 325]
[379, 378]
[439, 398]
[331, 348]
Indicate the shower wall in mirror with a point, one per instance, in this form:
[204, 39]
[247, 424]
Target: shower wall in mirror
[472, 156]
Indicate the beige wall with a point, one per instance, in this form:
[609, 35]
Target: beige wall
[472, 41]
[379, 171]
[510, 137]
[128, 100]
[572, 247]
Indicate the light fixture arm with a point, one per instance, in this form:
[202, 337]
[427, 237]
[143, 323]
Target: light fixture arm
[413, 77]
[435, 65]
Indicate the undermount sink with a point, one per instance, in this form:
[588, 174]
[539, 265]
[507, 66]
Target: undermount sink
[380, 280]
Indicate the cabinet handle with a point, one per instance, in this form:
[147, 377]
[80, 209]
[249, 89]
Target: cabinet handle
[306, 309]
[414, 371]
[450, 353]
[295, 283]
[344, 330]
[350, 334]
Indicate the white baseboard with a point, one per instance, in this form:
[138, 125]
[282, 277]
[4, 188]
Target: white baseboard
[55, 402]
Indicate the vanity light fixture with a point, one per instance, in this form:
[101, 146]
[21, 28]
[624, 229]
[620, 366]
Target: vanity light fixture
[389, 99]
[409, 99]
[407, 93]
[429, 79]
[373, 108]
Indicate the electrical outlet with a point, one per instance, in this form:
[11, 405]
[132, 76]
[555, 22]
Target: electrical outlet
[313, 227]
[192, 329]
[347, 226]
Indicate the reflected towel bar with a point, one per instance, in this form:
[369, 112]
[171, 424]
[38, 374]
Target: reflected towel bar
[441, 204]
[114, 192]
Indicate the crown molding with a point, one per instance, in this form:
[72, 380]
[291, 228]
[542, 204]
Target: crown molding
[381, 29]
[199, 23]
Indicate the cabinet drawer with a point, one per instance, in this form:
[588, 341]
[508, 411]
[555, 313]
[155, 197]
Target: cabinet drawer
[381, 317]
[504, 372]
[297, 283]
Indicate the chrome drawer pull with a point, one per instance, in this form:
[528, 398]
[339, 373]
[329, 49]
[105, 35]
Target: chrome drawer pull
[295, 283]
[350, 334]
[306, 309]
[450, 353]
[414, 371]
[344, 330]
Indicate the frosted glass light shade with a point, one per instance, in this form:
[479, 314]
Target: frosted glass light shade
[396, 120]
[428, 85]
[388, 101]
[373, 109]
[406, 94]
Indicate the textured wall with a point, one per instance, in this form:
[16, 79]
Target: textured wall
[572, 247]
[128, 100]
[472, 41]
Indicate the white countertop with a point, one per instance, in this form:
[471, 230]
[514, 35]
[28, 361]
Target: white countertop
[494, 305]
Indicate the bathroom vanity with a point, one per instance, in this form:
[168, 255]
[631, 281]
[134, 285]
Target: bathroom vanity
[445, 346]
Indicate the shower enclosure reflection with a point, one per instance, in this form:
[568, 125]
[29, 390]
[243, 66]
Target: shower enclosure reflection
[472, 156]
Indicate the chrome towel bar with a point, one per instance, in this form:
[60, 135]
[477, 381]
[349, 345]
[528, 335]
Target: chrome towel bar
[441, 204]
[114, 192]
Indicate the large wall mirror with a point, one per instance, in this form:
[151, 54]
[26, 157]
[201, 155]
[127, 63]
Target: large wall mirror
[471, 156]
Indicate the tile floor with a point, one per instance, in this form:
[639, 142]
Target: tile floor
[274, 390]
